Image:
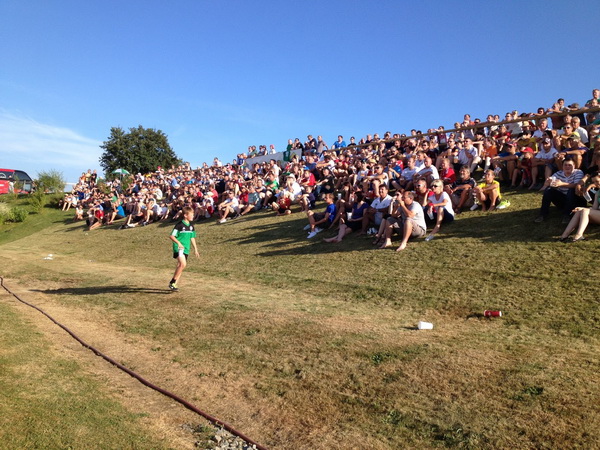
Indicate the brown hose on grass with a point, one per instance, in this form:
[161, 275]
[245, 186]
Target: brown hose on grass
[145, 382]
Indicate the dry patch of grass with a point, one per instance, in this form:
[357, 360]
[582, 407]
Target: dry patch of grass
[47, 401]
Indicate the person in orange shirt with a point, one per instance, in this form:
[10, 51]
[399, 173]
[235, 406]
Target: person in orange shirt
[488, 151]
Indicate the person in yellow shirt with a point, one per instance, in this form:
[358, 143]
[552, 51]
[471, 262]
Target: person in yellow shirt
[488, 192]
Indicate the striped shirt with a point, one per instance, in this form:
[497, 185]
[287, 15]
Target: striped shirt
[574, 178]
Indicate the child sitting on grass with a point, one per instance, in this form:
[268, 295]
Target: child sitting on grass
[488, 192]
[321, 221]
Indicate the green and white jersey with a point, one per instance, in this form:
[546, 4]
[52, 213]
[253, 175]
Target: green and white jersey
[184, 232]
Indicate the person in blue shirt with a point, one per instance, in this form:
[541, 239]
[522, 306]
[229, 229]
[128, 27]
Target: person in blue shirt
[340, 143]
[321, 221]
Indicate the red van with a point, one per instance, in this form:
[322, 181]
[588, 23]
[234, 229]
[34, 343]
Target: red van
[23, 184]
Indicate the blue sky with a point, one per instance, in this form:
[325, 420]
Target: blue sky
[218, 76]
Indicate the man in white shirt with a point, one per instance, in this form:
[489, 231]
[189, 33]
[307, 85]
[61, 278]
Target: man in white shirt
[428, 171]
[544, 158]
[379, 207]
[230, 206]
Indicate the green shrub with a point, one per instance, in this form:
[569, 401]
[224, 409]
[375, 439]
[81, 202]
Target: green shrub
[18, 214]
[14, 214]
[37, 200]
[4, 212]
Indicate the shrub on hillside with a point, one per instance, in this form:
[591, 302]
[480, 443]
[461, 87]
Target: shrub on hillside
[14, 214]
[4, 212]
[37, 200]
[18, 214]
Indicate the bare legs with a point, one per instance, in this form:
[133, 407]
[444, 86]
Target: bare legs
[579, 222]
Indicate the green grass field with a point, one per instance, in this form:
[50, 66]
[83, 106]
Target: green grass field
[302, 344]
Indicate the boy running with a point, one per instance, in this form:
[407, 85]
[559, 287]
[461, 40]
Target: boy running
[182, 235]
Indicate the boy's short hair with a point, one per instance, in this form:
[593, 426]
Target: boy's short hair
[187, 209]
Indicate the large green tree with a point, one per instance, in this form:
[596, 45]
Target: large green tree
[139, 150]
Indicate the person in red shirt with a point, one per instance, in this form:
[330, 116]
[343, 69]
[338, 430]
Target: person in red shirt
[447, 174]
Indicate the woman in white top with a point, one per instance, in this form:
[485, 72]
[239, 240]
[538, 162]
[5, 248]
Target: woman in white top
[439, 207]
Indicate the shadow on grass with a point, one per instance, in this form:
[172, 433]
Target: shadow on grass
[96, 290]
[503, 226]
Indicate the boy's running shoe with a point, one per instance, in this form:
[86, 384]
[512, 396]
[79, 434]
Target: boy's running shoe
[504, 204]
[173, 286]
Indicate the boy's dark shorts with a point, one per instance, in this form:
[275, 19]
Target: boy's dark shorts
[176, 255]
[488, 202]
[320, 216]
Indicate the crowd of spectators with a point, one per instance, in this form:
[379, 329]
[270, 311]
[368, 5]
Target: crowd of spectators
[378, 185]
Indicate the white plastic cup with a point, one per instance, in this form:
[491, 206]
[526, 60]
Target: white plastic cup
[425, 326]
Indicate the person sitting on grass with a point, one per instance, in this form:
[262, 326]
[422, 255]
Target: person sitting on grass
[440, 207]
[307, 200]
[96, 216]
[410, 220]
[488, 192]
[253, 203]
[391, 222]
[379, 207]
[282, 206]
[542, 160]
[138, 212]
[506, 162]
[580, 220]
[560, 190]
[523, 169]
[78, 212]
[406, 180]
[422, 192]
[230, 206]
[461, 191]
[326, 184]
[378, 178]
[354, 222]
[272, 186]
[343, 204]
[321, 221]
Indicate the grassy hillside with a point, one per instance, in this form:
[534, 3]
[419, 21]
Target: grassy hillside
[303, 344]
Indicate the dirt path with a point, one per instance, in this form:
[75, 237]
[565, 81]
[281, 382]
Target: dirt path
[165, 417]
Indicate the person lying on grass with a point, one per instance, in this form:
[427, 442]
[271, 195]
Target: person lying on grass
[354, 222]
[488, 192]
